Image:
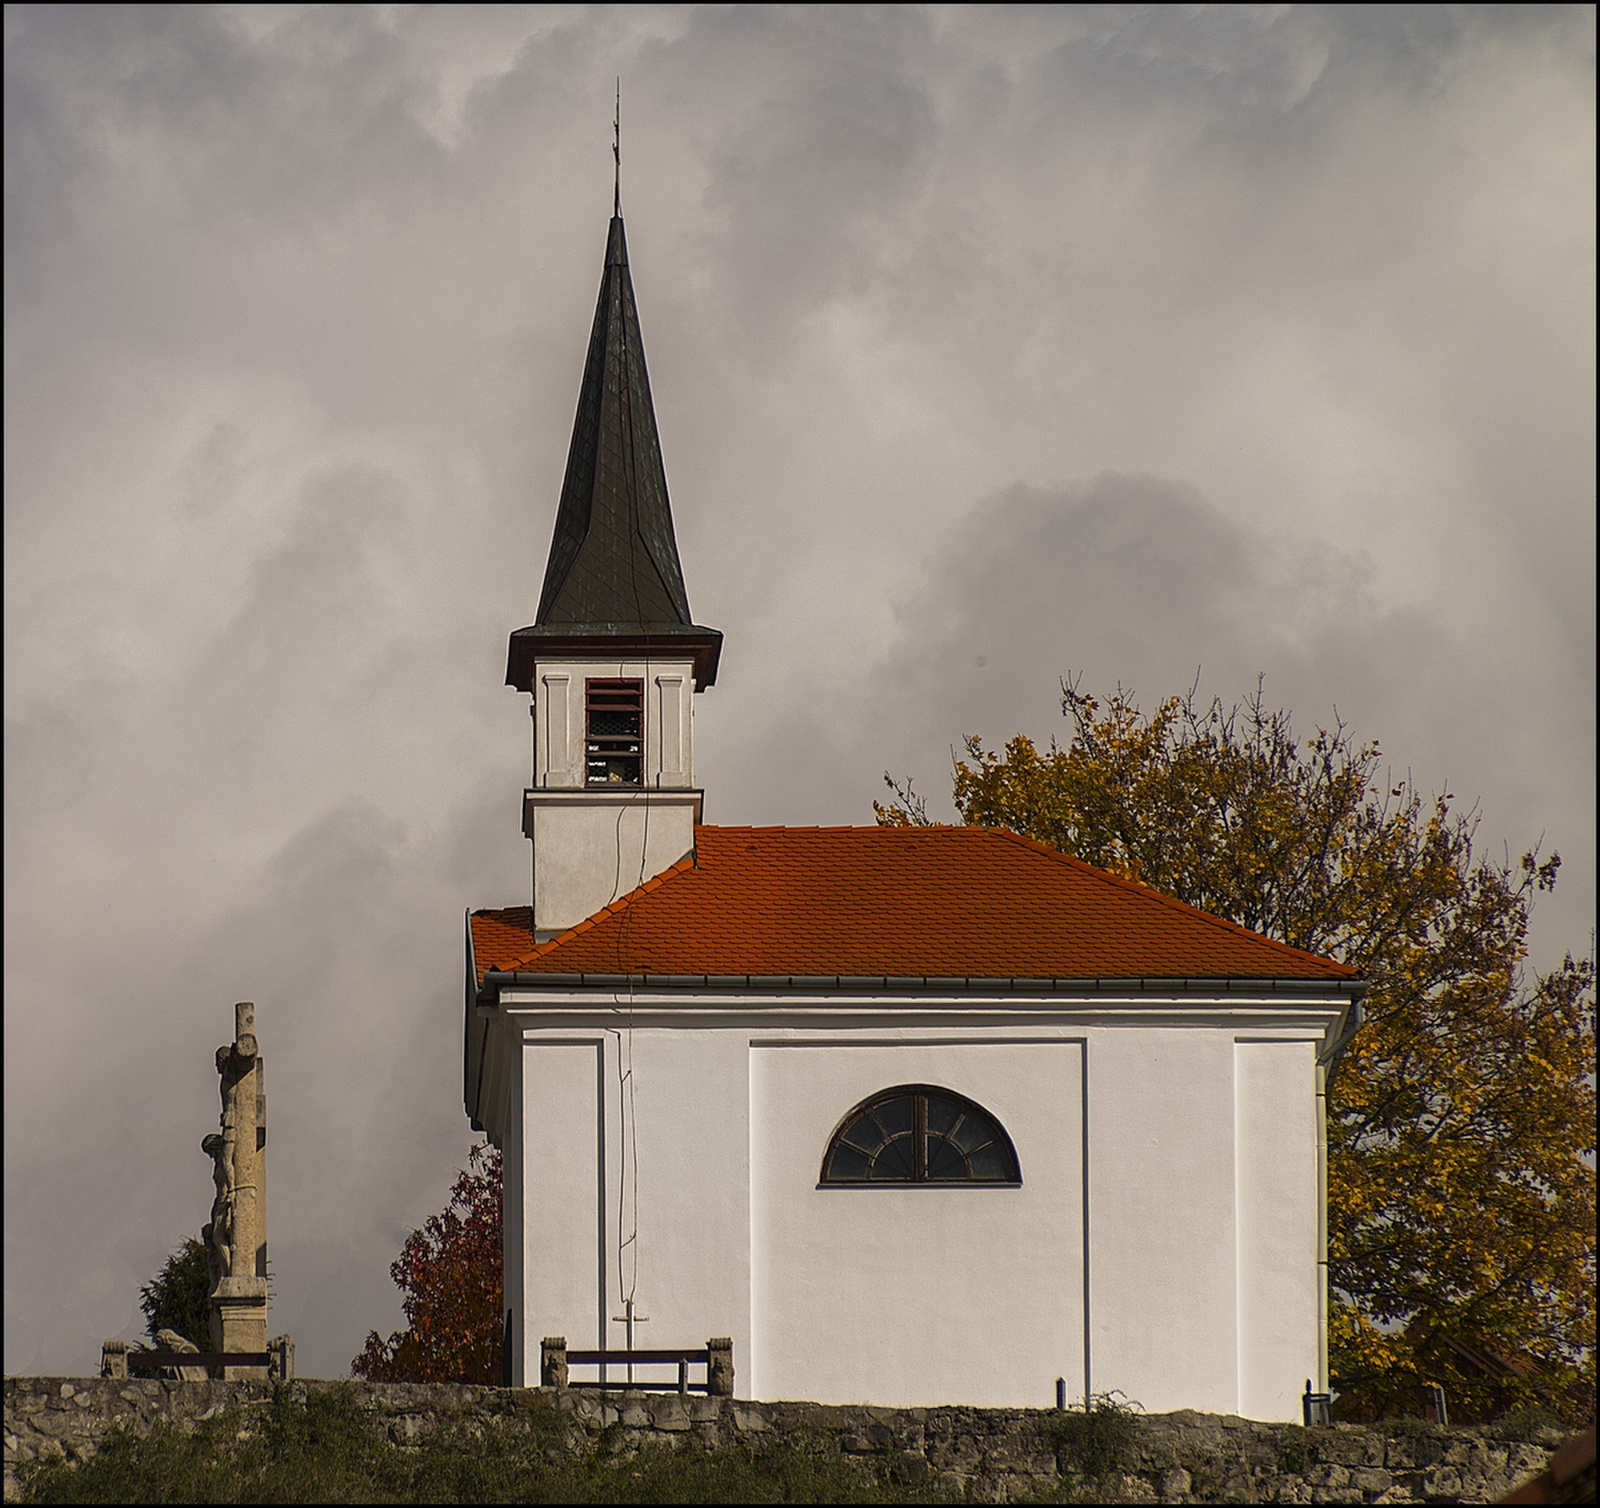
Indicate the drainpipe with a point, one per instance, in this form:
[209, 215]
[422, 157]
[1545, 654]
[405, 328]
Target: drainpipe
[1327, 1064]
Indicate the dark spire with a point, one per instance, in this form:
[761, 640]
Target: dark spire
[613, 559]
[613, 573]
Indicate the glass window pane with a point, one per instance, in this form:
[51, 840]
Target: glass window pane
[943, 1113]
[847, 1162]
[945, 1162]
[975, 1129]
[991, 1163]
[894, 1115]
[895, 1161]
[866, 1134]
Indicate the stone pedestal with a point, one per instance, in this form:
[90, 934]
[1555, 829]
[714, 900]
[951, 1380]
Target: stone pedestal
[281, 1366]
[553, 1361]
[239, 1323]
[719, 1366]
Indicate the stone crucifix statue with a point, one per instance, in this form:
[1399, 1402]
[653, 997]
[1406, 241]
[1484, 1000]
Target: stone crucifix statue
[219, 1233]
[236, 1237]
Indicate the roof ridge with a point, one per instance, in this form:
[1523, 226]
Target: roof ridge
[1139, 887]
[838, 827]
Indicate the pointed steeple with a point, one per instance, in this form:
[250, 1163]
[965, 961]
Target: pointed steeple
[613, 560]
[613, 580]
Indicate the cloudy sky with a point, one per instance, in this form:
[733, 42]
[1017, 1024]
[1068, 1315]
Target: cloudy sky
[988, 346]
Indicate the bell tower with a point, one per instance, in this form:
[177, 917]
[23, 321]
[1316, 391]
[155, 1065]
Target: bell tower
[613, 659]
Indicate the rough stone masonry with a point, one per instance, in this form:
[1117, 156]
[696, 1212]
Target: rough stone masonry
[1000, 1454]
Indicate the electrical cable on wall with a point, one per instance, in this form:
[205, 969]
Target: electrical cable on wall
[533, 828]
[628, 1245]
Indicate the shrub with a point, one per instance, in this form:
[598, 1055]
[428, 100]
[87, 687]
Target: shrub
[179, 1296]
[1096, 1441]
[1529, 1426]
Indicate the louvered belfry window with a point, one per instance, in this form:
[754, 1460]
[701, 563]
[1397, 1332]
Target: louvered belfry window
[614, 722]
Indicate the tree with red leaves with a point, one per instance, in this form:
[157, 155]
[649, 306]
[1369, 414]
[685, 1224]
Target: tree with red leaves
[450, 1274]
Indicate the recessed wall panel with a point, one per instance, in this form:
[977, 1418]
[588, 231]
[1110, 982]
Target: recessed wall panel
[916, 1295]
[1161, 1218]
[565, 1224]
[1276, 1193]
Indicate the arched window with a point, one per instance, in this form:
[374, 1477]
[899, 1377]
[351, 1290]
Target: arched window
[915, 1133]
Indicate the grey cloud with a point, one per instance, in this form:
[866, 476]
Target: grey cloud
[214, 468]
[318, 594]
[806, 185]
[292, 129]
[1136, 579]
[346, 945]
[49, 755]
[1144, 582]
[361, 1045]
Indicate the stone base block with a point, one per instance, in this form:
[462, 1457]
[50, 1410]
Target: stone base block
[239, 1323]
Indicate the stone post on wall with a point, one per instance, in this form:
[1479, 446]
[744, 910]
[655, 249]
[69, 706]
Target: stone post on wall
[719, 1366]
[281, 1367]
[236, 1237]
[553, 1361]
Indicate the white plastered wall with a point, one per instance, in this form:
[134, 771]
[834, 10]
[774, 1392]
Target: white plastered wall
[558, 714]
[590, 847]
[1275, 1170]
[637, 1184]
[916, 1295]
[592, 844]
[1162, 1252]
[1162, 1243]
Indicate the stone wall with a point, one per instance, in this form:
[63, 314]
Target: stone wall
[1002, 1454]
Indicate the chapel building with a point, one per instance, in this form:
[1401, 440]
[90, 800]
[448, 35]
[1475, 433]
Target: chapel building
[915, 1115]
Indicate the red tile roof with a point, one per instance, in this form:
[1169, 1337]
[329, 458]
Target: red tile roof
[898, 902]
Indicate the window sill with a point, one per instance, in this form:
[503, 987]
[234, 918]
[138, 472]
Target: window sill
[921, 1183]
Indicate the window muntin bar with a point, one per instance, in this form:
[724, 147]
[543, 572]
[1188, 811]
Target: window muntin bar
[916, 1133]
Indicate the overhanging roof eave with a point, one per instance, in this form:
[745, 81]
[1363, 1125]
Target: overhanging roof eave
[1355, 989]
[618, 641]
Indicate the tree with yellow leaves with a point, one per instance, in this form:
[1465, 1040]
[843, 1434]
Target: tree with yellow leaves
[1462, 1128]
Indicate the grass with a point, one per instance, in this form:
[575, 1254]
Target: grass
[1293, 1456]
[1410, 1429]
[323, 1447]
